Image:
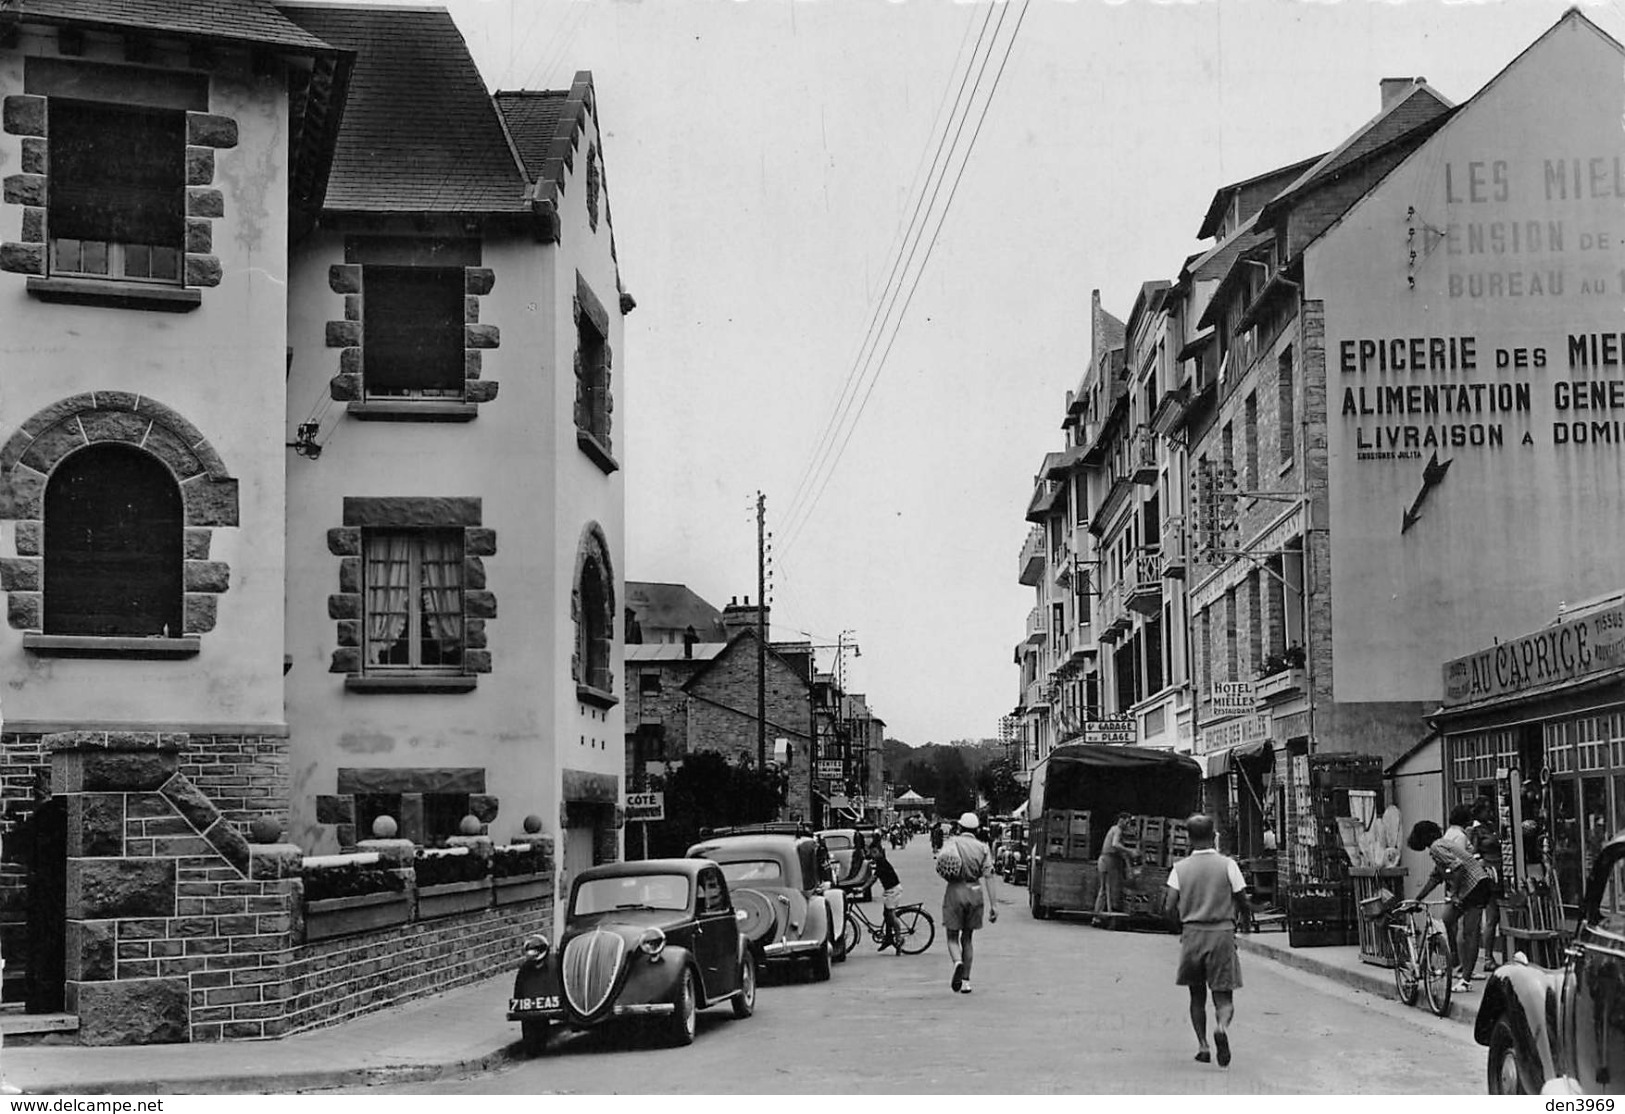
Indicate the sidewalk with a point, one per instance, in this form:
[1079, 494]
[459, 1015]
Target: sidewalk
[1344, 965]
[455, 1033]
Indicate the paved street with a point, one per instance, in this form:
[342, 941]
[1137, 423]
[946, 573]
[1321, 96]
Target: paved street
[1058, 1007]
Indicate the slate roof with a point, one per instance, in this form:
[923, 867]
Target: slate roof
[1260, 187]
[532, 117]
[420, 133]
[1422, 106]
[247, 21]
[673, 607]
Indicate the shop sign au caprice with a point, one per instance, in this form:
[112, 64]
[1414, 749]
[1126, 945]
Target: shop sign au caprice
[1566, 651]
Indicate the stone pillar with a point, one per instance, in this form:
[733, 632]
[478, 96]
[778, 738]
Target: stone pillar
[94, 772]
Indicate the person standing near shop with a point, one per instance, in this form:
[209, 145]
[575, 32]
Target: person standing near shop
[1486, 839]
[1113, 865]
[1208, 892]
[967, 866]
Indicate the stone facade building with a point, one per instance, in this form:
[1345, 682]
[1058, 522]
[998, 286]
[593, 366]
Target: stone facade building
[313, 337]
[1356, 400]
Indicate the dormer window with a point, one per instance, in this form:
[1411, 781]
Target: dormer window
[117, 200]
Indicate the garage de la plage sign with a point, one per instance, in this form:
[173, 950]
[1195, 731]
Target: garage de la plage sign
[1570, 650]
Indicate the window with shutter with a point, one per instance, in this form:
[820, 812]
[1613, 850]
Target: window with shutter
[117, 203]
[114, 524]
[412, 341]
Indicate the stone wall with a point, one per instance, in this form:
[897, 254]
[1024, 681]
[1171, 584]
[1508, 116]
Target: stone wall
[333, 980]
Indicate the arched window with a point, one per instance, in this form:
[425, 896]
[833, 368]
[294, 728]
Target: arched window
[114, 524]
[592, 606]
[594, 631]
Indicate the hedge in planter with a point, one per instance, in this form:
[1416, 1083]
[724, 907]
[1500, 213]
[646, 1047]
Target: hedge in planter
[436, 868]
[350, 880]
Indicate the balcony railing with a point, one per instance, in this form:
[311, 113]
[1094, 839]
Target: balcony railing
[1144, 581]
[1032, 557]
[1035, 621]
[1038, 694]
[1113, 616]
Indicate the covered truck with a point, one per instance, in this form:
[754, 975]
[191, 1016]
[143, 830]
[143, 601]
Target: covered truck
[1076, 795]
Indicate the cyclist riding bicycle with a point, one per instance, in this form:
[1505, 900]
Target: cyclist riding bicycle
[891, 894]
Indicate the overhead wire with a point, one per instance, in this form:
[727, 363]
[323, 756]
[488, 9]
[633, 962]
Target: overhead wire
[844, 400]
[827, 464]
[792, 536]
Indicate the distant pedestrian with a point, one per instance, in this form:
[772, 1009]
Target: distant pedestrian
[1113, 865]
[970, 889]
[1209, 893]
[936, 838]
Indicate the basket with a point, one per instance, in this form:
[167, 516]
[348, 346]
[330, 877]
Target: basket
[1378, 905]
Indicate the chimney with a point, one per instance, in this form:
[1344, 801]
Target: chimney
[737, 617]
[1396, 89]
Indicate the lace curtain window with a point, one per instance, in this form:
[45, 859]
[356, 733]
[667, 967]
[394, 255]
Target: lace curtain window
[414, 600]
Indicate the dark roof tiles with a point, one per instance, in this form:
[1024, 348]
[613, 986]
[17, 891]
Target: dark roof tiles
[533, 120]
[420, 133]
[248, 21]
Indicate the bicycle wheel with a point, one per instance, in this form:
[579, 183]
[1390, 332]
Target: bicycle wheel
[918, 931]
[1406, 984]
[851, 933]
[1437, 971]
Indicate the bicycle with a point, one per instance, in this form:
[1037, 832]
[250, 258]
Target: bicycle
[918, 929]
[1421, 952]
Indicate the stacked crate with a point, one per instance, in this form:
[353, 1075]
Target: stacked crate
[1066, 833]
[1320, 914]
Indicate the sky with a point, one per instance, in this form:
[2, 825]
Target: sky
[763, 160]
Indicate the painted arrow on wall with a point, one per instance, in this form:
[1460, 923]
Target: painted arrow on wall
[1432, 476]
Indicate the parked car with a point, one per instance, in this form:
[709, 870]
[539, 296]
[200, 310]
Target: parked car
[780, 882]
[1563, 1031]
[653, 939]
[840, 843]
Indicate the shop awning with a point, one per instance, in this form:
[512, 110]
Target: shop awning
[1221, 762]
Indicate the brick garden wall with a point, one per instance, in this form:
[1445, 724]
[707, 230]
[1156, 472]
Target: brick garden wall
[333, 980]
[246, 776]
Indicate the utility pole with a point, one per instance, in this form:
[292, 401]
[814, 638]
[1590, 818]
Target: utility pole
[761, 631]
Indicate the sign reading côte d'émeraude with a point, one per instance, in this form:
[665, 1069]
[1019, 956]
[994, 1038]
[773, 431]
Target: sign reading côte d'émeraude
[1567, 651]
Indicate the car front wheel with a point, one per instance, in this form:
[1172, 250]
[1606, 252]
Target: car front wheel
[820, 963]
[1506, 1076]
[745, 1000]
[683, 1023]
[533, 1036]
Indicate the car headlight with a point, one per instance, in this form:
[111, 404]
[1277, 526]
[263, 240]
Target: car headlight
[534, 948]
[652, 944]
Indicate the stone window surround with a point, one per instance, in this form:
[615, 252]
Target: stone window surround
[347, 606]
[209, 499]
[348, 335]
[27, 115]
[598, 449]
[593, 545]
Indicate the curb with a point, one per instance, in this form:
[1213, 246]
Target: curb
[1369, 979]
[286, 1082]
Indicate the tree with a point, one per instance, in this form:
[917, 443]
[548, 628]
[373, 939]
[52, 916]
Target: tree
[709, 791]
[998, 783]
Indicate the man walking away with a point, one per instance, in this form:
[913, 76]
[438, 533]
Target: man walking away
[969, 888]
[1207, 890]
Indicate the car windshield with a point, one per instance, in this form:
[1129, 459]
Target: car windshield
[753, 870]
[632, 891]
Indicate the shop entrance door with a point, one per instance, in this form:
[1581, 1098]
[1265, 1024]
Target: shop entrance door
[45, 840]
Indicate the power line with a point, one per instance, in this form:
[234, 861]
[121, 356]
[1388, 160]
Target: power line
[942, 218]
[793, 524]
[843, 401]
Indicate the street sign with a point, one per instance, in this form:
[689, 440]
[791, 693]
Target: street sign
[830, 768]
[644, 807]
[1114, 729]
[1232, 698]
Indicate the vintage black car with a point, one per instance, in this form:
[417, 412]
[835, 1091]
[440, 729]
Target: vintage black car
[657, 939]
[1563, 1031]
[789, 911]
